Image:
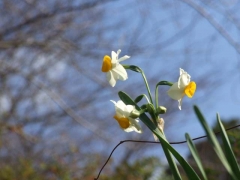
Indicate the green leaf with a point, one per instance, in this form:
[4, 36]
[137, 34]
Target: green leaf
[139, 98]
[213, 140]
[228, 149]
[192, 175]
[195, 155]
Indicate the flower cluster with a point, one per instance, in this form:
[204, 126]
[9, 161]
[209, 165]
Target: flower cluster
[125, 116]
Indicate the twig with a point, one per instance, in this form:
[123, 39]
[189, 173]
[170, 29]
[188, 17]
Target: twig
[153, 142]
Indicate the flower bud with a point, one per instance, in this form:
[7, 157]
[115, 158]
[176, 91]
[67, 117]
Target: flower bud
[161, 110]
[134, 114]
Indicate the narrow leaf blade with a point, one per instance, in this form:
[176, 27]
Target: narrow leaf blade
[195, 155]
[213, 140]
[139, 98]
[228, 149]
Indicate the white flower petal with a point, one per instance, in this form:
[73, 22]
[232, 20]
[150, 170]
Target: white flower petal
[118, 52]
[128, 109]
[114, 57]
[180, 103]
[184, 72]
[174, 92]
[184, 79]
[121, 107]
[121, 104]
[123, 110]
[113, 102]
[123, 58]
[135, 124]
[132, 128]
[120, 72]
[129, 129]
[181, 71]
[111, 79]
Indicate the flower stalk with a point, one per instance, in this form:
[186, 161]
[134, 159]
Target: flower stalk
[139, 70]
[128, 112]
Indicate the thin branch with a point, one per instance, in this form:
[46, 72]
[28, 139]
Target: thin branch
[71, 113]
[66, 108]
[153, 142]
[42, 16]
[214, 23]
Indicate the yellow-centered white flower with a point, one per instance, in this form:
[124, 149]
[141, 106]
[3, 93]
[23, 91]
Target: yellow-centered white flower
[183, 87]
[113, 68]
[123, 118]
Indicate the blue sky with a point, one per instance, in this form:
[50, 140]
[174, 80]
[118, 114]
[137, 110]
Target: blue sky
[161, 37]
[170, 35]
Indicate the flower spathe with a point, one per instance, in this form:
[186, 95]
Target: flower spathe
[183, 87]
[123, 118]
[113, 68]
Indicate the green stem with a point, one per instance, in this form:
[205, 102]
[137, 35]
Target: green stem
[147, 86]
[146, 98]
[156, 96]
[139, 70]
[166, 83]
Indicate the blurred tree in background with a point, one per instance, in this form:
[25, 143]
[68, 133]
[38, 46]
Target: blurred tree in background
[55, 115]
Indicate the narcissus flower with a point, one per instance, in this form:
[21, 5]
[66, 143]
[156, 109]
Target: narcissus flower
[113, 68]
[123, 118]
[183, 87]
